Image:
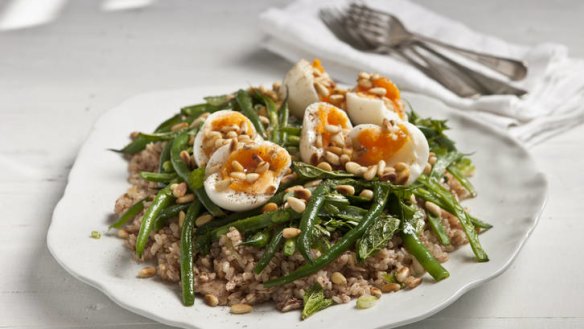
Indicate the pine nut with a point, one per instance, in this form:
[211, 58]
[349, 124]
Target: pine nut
[290, 232]
[179, 126]
[185, 157]
[147, 272]
[433, 208]
[332, 158]
[352, 167]
[338, 139]
[271, 206]
[218, 143]
[344, 159]
[412, 282]
[264, 120]
[262, 167]
[271, 189]
[237, 175]
[313, 183]
[185, 199]
[179, 190]
[122, 234]
[346, 189]
[364, 75]
[231, 134]
[333, 129]
[337, 97]
[303, 194]
[318, 141]
[390, 287]
[374, 291]
[370, 173]
[211, 300]
[288, 178]
[321, 89]
[240, 308]
[222, 185]
[365, 83]
[325, 166]
[336, 150]
[403, 176]
[432, 160]
[402, 274]
[296, 204]
[181, 218]
[339, 279]
[203, 219]
[366, 194]
[401, 166]
[251, 178]
[379, 91]
[237, 166]
[427, 169]
[212, 134]
[380, 168]
[243, 128]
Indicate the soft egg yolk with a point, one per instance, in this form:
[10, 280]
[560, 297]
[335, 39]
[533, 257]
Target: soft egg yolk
[391, 92]
[331, 116]
[317, 67]
[234, 119]
[373, 145]
[250, 159]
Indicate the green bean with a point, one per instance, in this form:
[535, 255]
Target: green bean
[129, 214]
[157, 177]
[258, 240]
[273, 116]
[442, 163]
[258, 222]
[186, 254]
[479, 223]
[167, 213]
[194, 179]
[289, 247]
[381, 193]
[417, 249]
[164, 157]
[143, 139]
[161, 201]
[245, 105]
[195, 111]
[270, 251]
[295, 131]
[438, 229]
[283, 114]
[168, 123]
[292, 141]
[438, 194]
[309, 218]
[465, 182]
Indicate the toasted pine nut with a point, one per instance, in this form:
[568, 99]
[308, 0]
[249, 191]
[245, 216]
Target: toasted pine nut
[262, 167]
[321, 89]
[403, 176]
[181, 218]
[122, 234]
[339, 279]
[412, 282]
[374, 291]
[252, 177]
[147, 272]
[380, 168]
[390, 287]
[237, 166]
[380, 91]
[211, 300]
[271, 206]
[344, 158]
[402, 274]
[237, 175]
[336, 150]
[365, 83]
[296, 204]
[290, 232]
[338, 139]
[222, 185]
[203, 219]
[433, 208]
[427, 169]
[303, 193]
[179, 126]
[179, 190]
[432, 160]
[400, 166]
[352, 167]
[332, 158]
[241, 308]
[186, 198]
[346, 189]
[364, 75]
[370, 173]
[333, 129]
[366, 194]
[325, 166]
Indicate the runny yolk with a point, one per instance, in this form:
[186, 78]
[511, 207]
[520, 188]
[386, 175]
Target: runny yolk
[233, 119]
[391, 92]
[331, 116]
[317, 66]
[250, 159]
[374, 145]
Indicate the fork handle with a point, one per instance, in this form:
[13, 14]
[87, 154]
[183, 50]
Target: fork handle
[511, 68]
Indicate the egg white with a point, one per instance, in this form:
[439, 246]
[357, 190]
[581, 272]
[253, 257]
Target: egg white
[414, 152]
[236, 200]
[201, 158]
[299, 83]
[363, 109]
[308, 137]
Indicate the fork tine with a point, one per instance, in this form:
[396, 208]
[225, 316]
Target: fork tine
[334, 19]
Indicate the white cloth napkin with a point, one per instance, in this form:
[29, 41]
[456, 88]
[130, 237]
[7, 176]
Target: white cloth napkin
[554, 103]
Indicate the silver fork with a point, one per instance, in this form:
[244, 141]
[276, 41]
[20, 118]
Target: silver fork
[336, 20]
[389, 30]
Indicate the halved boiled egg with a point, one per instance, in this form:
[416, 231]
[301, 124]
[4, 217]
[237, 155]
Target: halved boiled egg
[393, 142]
[218, 130]
[324, 126]
[245, 177]
[308, 83]
[374, 99]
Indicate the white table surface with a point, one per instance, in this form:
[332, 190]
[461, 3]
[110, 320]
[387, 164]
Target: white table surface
[56, 79]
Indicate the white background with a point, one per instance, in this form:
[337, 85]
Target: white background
[57, 78]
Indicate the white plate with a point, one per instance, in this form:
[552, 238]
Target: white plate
[511, 191]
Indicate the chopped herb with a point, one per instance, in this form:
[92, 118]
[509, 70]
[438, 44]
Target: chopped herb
[314, 301]
[95, 235]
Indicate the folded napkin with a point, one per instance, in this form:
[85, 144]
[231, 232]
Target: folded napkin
[554, 103]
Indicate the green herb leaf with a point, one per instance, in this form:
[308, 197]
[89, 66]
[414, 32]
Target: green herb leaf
[311, 172]
[314, 301]
[376, 236]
